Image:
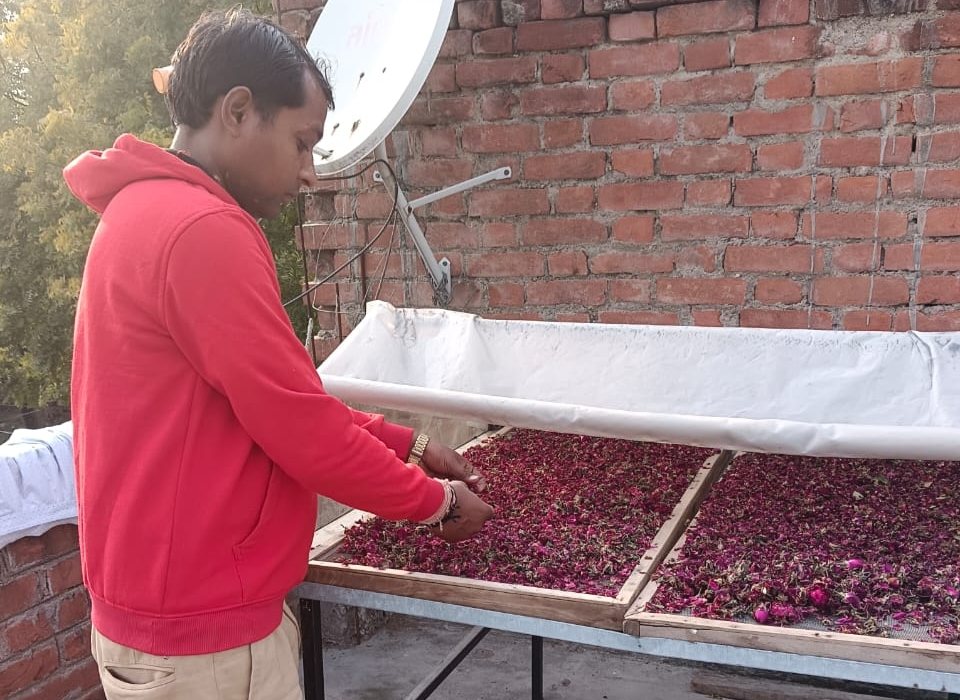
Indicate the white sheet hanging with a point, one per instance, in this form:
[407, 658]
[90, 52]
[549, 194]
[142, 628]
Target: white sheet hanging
[36, 482]
[824, 393]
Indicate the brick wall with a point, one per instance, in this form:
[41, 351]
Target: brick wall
[777, 163]
[44, 620]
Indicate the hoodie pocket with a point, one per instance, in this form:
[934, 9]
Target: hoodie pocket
[272, 558]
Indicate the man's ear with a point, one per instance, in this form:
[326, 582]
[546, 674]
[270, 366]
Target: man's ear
[235, 108]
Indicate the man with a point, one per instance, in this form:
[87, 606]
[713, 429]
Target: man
[202, 432]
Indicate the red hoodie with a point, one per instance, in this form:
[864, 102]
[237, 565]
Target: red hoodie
[202, 432]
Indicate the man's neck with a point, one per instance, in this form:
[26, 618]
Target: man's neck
[192, 144]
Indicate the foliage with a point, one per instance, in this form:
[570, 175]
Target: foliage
[74, 75]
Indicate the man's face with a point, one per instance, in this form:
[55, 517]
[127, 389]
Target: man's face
[273, 158]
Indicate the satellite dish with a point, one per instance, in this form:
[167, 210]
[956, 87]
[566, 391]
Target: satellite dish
[380, 53]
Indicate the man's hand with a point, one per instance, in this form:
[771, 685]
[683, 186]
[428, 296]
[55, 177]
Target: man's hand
[441, 462]
[466, 518]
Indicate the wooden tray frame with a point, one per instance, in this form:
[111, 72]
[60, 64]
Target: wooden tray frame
[929, 656]
[561, 606]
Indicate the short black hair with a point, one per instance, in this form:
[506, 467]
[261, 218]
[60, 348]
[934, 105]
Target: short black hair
[236, 47]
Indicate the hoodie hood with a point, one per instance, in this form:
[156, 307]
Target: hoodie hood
[96, 177]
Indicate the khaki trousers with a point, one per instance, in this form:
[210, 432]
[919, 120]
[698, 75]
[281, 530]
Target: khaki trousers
[265, 670]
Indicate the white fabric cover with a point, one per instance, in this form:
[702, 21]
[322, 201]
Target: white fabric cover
[36, 482]
[824, 393]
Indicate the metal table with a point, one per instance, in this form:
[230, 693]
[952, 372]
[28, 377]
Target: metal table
[538, 629]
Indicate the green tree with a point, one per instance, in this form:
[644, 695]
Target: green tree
[74, 75]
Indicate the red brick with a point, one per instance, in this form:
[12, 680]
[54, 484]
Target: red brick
[633, 229]
[373, 205]
[939, 290]
[865, 224]
[792, 258]
[946, 71]
[862, 188]
[20, 593]
[632, 26]
[74, 644]
[497, 105]
[452, 234]
[705, 17]
[939, 108]
[565, 166]
[437, 172]
[497, 71]
[801, 119]
[560, 9]
[862, 115]
[553, 35]
[705, 193]
[706, 125]
[609, 131]
[776, 290]
[696, 259]
[438, 142]
[585, 292]
[865, 78]
[776, 45]
[853, 151]
[708, 54]
[442, 78]
[646, 318]
[785, 318]
[506, 294]
[709, 89]
[28, 670]
[72, 608]
[938, 184]
[777, 12]
[636, 291]
[942, 221]
[780, 156]
[759, 192]
[440, 110]
[566, 99]
[580, 317]
[28, 551]
[940, 33]
[835, 9]
[870, 320]
[65, 574]
[478, 14]
[639, 59]
[513, 264]
[69, 680]
[498, 234]
[898, 256]
[775, 224]
[500, 138]
[456, 43]
[641, 196]
[633, 162]
[858, 257]
[562, 133]
[632, 95]
[789, 84]
[674, 227]
[571, 200]
[568, 263]
[940, 322]
[941, 147]
[940, 257]
[860, 290]
[561, 231]
[701, 291]
[27, 630]
[636, 263]
[562, 68]
[706, 317]
[688, 160]
[513, 202]
[494, 41]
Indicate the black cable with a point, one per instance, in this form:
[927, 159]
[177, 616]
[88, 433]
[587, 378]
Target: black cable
[396, 196]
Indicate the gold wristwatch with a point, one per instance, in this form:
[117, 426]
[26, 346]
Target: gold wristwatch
[419, 445]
